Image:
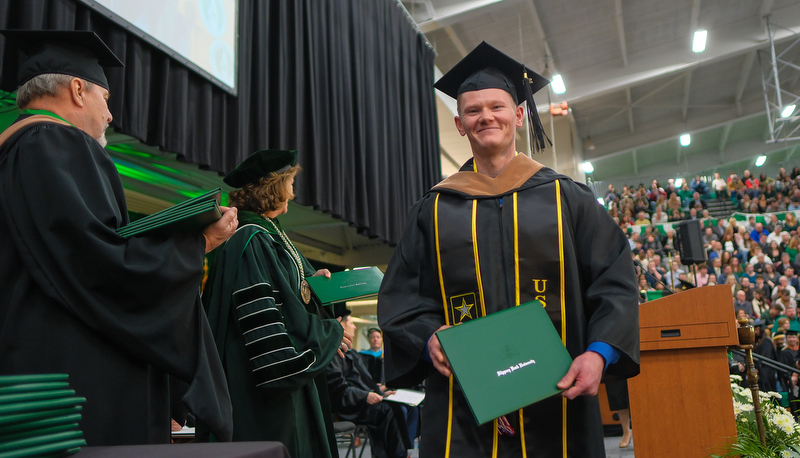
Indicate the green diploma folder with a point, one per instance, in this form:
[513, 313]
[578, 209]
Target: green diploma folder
[190, 216]
[507, 360]
[347, 286]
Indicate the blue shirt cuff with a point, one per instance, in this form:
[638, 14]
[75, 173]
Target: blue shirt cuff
[609, 353]
[425, 356]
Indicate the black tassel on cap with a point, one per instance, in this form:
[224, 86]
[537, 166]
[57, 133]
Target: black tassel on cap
[536, 131]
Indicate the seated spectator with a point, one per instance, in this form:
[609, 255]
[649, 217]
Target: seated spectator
[790, 313]
[641, 219]
[740, 303]
[750, 274]
[745, 287]
[714, 250]
[720, 187]
[762, 203]
[672, 277]
[790, 223]
[750, 183]
[715, 267]
[775, 234]
[685, 194]
[784, 263]
[760, 305]
[793, 247]
[708, 237]
[761, 285]
[794, 282]
[659, 217]
[745, 204]
[774, 252]
[676, 215]
[692, 214]
[653, 243]
[771, 223]
[775, 312]
[674, 203]
[736, 267]
[696, 201]
[356, 397]
[726, 272]
[770, 276]
[794, 203]
[669, 242]
[783, 284]
[699, 186]
[702, 276]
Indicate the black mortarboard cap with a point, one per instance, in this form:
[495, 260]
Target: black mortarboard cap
[485, 67]
[374, 329]
[791, 333]
[260, 164]
[79, 53]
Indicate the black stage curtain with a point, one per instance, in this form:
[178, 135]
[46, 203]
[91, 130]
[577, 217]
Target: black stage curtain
[348, 83]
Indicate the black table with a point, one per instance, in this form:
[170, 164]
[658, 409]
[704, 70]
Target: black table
[195, 450]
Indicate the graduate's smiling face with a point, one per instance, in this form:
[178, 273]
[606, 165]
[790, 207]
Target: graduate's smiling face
[488, 118]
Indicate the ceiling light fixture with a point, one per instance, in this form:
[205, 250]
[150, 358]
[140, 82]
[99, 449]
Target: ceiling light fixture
[699, 42]
[788, 111]
[558, 84]
[587, 167]
[761, 160]
[588, 145]
[686, 140]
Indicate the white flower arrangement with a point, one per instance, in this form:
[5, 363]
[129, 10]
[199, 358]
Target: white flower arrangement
[781, 430]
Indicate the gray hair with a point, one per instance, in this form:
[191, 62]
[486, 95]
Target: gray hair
[46, 84]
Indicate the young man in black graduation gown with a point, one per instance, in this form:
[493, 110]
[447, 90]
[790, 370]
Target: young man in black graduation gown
[501, 232]
[118, 315]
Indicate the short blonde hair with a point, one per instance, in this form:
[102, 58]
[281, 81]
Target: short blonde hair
[266, 195]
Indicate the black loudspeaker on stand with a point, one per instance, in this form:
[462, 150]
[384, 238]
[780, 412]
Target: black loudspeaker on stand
[690, 242]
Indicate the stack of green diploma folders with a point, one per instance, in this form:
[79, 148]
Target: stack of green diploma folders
[39, 416]
[189, 216]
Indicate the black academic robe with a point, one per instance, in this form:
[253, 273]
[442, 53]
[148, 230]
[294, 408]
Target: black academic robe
[537, 235]
[118, 315]
[767, 378]
[274, 348]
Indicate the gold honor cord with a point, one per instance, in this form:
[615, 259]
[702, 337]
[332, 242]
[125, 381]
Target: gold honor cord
[447, 321]
[563, 308]
[475, 251]
[494, 439]
[517, 282]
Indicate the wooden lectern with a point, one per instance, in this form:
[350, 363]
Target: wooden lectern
[681, 402]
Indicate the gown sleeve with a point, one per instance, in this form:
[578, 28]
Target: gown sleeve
[607, 278]
[287, 345]
[408, 309]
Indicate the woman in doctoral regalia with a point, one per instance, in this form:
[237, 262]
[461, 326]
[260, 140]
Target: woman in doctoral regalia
[274, 340]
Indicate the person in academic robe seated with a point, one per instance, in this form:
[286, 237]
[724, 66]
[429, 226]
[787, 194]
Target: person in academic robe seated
[274, 338]
[118, 315]
[503, 231]
[356, 397]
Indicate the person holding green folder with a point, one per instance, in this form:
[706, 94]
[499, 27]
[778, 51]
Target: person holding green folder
[274, 338]
[504, 231]
[119, 315]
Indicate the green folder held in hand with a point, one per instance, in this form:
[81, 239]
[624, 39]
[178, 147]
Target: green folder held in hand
[190, 216]
[507, 360]
[347, 286]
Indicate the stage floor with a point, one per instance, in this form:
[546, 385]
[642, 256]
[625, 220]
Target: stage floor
[611, 443]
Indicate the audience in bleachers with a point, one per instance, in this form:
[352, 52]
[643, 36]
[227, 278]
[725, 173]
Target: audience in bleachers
[753, 247]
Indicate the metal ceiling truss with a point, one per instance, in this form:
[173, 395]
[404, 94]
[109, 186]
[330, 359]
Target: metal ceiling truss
[774, 69]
